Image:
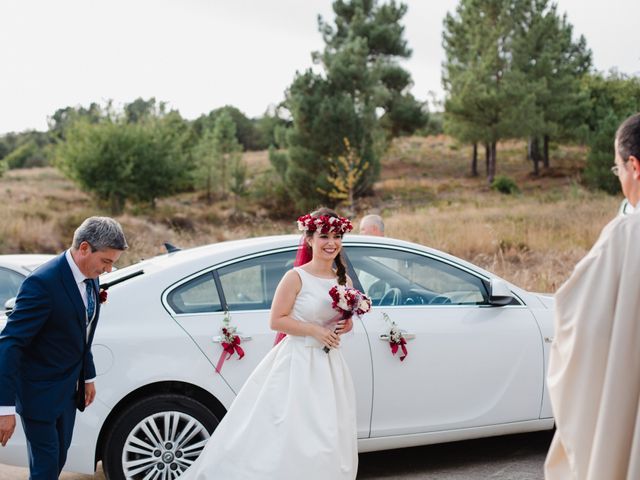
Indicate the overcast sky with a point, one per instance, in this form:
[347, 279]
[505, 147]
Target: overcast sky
[198, 55]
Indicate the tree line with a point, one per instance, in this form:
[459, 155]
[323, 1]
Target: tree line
[513, 69]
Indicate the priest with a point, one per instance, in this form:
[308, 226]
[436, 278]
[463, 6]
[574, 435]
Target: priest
[594, 365]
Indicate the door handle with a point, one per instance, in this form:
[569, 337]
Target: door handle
[220, 338]
[408, 336]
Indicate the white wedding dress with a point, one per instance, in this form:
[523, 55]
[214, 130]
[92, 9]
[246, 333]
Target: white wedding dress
[295, 416]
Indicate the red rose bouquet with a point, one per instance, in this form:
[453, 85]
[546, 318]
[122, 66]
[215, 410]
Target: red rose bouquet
[348, 301]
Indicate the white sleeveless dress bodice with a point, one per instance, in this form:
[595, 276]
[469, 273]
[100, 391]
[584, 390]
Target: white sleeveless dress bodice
[295, 416]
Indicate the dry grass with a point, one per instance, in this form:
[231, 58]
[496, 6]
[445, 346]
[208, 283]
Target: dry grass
[425, 195]
[532, 239]
[532, 244]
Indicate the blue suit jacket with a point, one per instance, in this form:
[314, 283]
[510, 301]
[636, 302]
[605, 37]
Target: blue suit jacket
[44, 345]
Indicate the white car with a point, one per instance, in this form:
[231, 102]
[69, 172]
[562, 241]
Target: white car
[477, 352]
[14, 269]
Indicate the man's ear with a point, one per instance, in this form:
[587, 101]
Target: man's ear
[635, 164]
[84, 247]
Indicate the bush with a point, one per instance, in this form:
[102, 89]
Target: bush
[268, 191]
[27, 155]
[119, 161]
[504, 184]
[597, 173]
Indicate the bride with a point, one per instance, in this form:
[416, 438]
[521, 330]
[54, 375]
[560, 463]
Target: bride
[295, 416]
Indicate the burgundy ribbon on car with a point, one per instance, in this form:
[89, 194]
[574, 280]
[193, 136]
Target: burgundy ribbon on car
[228, 349]
[402, 345]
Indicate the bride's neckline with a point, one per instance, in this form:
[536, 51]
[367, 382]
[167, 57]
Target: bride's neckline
[318, 276]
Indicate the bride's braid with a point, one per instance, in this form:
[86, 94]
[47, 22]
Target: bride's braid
[341, 270]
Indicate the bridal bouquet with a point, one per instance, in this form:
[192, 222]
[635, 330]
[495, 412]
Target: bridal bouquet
[229, 340]
[348, 301]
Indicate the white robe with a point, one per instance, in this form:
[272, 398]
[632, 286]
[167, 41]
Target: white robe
[594, 364]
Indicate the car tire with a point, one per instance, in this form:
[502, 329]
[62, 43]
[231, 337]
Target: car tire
[166, 431]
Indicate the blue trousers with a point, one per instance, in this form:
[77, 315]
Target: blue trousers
[48, 443]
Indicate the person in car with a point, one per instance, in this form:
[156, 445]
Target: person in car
[295, 417]
[46, 366]
[594, 363]
[372, 225]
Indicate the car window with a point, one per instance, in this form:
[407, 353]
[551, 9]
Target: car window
[250, 284]
[395, 277]
[10, 282]
[196, 296]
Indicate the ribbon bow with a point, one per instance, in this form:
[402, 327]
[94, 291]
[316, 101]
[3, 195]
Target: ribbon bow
[402, 345]
[228, 349]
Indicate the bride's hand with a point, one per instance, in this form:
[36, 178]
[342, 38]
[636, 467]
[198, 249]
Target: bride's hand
[327, 337]
[344, 326]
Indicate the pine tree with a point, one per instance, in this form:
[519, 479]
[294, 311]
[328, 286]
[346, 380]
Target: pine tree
[553, 64]
[218, 157]
[487, 99]
[360, 77]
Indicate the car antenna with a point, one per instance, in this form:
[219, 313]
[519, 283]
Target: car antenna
[171, 248]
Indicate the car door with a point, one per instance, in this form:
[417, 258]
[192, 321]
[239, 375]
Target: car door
[246, 287]
[469, 364]
[10, 282]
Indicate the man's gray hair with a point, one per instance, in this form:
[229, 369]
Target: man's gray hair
[101, 233]
[374, 220]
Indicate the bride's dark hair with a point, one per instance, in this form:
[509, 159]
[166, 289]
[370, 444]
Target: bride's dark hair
[341, 270]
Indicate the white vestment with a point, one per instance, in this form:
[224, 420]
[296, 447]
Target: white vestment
[594, 364]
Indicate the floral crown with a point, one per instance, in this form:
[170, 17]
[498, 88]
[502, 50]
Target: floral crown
[324, 224]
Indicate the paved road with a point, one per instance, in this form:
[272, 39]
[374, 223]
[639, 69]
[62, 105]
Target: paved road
[514, 457]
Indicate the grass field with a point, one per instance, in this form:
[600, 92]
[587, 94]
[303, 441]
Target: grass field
[425, 195]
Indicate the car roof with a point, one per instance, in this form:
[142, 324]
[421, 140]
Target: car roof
[234, 249]
[26, 261]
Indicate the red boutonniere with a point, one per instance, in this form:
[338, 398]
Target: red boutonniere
[103, 296]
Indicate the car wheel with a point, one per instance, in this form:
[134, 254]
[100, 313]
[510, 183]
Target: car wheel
[157, 438]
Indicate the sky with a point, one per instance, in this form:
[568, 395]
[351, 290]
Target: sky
[198, 55]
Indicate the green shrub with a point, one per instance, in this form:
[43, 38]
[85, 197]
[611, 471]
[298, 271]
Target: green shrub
[597, 172]
[504, 184]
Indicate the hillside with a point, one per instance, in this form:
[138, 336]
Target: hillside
[425, 194]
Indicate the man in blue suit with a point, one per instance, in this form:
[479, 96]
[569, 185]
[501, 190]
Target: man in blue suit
[46, 366]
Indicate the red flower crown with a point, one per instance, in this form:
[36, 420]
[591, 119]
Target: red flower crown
[324, 224]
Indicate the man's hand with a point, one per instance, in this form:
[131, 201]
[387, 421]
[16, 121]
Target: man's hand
[7, 427]
[89, 393]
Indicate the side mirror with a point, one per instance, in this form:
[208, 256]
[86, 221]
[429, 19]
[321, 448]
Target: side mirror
[500, 294]
[10, 304]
